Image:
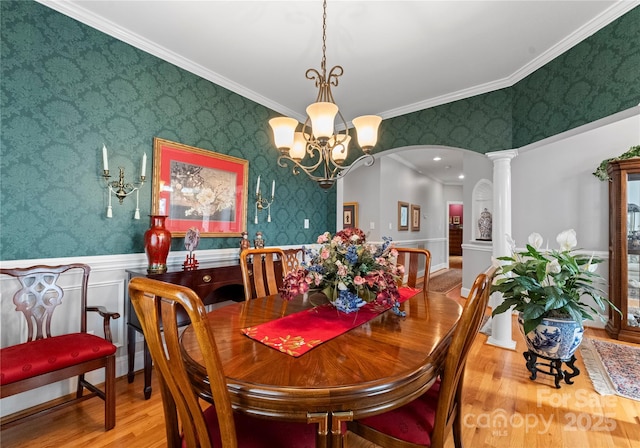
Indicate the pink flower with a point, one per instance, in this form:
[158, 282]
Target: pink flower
[381, 261]
[324, 253]
[358, 280]
[323, 238]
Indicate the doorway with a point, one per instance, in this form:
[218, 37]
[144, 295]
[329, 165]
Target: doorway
[456, 222]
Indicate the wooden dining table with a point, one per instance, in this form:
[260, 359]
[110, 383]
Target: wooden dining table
[375, 367]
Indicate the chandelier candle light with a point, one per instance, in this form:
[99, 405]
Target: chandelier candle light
[119, 187]
[318, 137]
[263, 203]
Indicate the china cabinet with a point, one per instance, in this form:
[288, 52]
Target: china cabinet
[624, 249]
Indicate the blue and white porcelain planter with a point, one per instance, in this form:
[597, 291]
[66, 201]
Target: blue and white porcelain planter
[555, 338]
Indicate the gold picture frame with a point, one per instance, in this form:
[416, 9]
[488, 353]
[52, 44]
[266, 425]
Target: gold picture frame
[415, 218]
[349, 215]
[403, 215]
[197, 188]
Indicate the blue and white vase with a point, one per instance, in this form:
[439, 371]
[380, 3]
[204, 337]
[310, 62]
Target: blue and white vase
[555, 338]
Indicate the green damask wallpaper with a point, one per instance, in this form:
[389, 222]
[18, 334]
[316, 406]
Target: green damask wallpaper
[67, 89]
[481, 123]
[598, 77]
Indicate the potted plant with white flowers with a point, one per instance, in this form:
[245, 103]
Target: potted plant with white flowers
[548, 288]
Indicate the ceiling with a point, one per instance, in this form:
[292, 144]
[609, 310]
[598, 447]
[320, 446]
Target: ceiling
[398, 56]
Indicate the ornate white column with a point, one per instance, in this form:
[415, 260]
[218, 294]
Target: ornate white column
[501, 328]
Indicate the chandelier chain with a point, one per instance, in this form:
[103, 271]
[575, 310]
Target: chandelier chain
[324, 40]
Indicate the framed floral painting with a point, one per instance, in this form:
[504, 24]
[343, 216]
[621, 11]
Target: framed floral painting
[197, 188]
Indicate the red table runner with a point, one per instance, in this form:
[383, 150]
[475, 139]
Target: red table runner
[298, 333]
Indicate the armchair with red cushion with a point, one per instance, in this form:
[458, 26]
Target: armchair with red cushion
[46, 358]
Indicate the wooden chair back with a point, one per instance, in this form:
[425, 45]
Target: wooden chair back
[156, 303]
[450, 398]
[440, 407]
[40, 294]
[293, 258]
[262, 271]
[414, 260]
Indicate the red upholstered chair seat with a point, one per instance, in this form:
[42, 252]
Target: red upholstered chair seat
[26, 360]
[260, 433]
[412, 422]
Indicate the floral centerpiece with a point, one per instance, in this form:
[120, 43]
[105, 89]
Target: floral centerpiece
[349, 271]
[549, 283]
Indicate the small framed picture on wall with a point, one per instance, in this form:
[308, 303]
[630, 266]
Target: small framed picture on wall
[456, 220]
[349, 215]
[403, 215]
[415, 218]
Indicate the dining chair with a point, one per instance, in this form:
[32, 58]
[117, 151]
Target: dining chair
[414, 260]
[54, 349]
[426, 421]
[156, 304]
[262, 271]
[293, 258]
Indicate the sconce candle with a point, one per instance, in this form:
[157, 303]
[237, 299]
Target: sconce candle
[144, 165]
[273, 189]
[105, 160]
[258, 186]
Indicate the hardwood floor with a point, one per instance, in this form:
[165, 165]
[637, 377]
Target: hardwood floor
[502, 408]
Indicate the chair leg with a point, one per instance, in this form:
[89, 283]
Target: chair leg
[110, 393]
[80, 387]
[456, 428]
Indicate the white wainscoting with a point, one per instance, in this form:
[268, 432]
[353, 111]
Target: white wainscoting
[107, 284]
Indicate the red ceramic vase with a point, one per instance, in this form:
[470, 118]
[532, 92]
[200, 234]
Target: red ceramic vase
[157, 242]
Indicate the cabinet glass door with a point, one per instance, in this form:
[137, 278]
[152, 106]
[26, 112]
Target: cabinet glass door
[632, 319]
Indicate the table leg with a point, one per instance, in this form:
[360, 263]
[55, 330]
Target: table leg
[337, 434]
[147, 371]
[322, 419]
[131, 352]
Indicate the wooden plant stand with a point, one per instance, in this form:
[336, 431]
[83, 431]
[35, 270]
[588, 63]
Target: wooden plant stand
[553, 367]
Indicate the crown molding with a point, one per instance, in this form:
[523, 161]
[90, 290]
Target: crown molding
[612, 13]
[76, 12]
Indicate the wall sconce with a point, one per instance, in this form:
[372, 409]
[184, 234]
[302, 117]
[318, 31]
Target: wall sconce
[119, 187]
[264, 204]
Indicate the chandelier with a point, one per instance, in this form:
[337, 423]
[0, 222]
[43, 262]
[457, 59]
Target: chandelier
[322, 148]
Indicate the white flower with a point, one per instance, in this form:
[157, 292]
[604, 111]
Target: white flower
[567, 240]
[536, 240]
[590, 267]
[511, 243]
[553, 267]
[342, 286]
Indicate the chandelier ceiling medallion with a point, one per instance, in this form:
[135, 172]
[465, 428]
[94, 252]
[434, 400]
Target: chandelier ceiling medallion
[326, 149]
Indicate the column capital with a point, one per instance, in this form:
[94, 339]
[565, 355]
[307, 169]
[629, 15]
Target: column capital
[506, 154]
